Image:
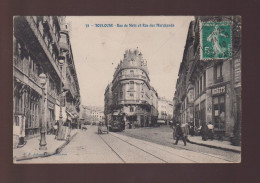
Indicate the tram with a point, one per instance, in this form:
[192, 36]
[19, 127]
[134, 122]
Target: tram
[116, 122]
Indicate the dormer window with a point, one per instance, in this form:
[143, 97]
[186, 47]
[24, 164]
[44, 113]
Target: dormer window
[132, 61]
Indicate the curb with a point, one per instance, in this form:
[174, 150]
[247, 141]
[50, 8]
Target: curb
[216, 147]
[46, 154]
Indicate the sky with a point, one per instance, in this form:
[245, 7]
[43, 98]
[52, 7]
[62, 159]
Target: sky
[98, 50]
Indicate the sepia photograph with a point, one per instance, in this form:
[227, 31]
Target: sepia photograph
[126, 89]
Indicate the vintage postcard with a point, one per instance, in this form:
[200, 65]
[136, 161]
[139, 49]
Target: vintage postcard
[126, 89]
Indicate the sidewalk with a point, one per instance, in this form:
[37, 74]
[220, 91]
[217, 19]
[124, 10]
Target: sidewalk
[31, 148]
[225, 145]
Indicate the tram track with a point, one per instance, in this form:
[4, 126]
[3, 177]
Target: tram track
[207, 154]
[192, 160]
[140, 148]
[154, 147]
[112, 149]
[161, 149]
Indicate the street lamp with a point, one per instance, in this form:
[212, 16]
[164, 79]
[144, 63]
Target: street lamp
[61, 63]
[43, 80]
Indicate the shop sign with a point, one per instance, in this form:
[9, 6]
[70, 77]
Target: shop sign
[218, 90]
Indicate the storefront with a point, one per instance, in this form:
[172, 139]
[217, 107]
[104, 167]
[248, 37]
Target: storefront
[50, 116]
[218, 108]
[26, 107]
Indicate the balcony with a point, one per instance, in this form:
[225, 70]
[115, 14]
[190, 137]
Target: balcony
[47, 24]
[18, 63]
[42, 43]
[130, 77]
[34, 77]
[144, 102]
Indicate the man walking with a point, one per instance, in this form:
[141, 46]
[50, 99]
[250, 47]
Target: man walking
[179, 134]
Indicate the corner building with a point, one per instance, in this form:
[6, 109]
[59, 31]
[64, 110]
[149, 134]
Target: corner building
[132, 93]
[209, 91]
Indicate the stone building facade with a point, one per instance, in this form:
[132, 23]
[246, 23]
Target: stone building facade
[108, 103]
[92, 114]
[36, 49]
[165, 110]
[130, 92]
[205, 90]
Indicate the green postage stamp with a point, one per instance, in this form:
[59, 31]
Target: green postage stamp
[215, 40]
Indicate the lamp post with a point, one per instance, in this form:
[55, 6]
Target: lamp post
[61, 62]
[43, 144]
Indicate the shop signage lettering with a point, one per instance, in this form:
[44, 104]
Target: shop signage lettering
[219, 90]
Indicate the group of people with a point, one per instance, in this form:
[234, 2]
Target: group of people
[182, 131]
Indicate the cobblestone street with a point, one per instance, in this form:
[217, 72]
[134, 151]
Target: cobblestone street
[89, 147]
[163, 135]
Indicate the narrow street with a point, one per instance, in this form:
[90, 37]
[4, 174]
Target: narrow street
[89, 147]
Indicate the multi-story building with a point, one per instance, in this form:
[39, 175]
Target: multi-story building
[209, 91]
[131, 91]
[92, 113]
[154, 106]
[165, 110]
[97, 115]
[71, 84]
[37, 42]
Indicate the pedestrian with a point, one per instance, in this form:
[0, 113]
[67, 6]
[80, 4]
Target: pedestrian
[174, 132]
[192, 130]
[211, 131]
[179, 134]
[204, 131]
[55, 127]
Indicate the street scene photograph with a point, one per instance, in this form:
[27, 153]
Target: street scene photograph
[126, 89]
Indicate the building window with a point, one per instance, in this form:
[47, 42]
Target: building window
[200, 84]
[131, 85]
[219, 112]
[197, 88]
[132, 61]
[131, 72]
[218, 75]
[63, 38]
[131, 95]
[131, 109]
[204, 80]
[121, 95]
[197, 120]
